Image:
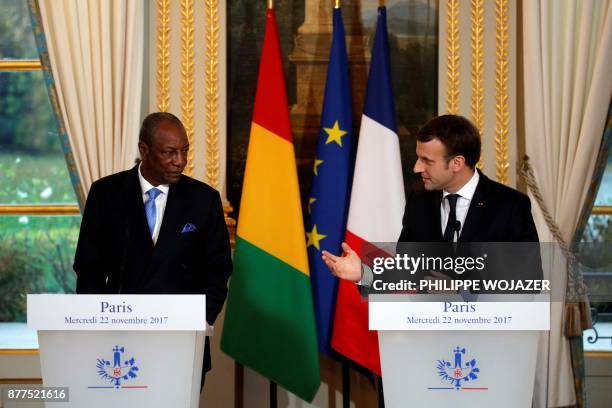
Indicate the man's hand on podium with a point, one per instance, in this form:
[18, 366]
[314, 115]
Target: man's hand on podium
[344, 267]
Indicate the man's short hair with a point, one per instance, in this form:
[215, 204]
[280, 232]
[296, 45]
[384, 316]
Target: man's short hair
[151, 123]
[458, 135]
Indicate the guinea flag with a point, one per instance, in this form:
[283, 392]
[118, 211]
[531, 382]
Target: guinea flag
[269, 322]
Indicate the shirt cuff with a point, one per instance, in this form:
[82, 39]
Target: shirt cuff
[367, 276]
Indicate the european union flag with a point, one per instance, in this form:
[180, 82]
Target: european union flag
[329, 198]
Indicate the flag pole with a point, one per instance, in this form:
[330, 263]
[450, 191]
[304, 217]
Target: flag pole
[346, 379]
[346, 385]
[381, 395]
[238, 384]
[273, 390]
[273, 395]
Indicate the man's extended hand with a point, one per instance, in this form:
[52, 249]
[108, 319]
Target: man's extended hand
[345, 267]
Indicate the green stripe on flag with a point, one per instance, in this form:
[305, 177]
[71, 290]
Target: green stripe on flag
[269, 322]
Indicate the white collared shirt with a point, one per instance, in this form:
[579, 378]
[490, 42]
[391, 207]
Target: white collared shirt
[160, 201]
[465, 194]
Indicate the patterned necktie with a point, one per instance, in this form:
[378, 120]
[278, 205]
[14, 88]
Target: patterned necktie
[451, 224]
[150, 209]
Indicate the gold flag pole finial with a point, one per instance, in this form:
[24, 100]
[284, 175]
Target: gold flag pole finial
[337, 4]
[270, 4]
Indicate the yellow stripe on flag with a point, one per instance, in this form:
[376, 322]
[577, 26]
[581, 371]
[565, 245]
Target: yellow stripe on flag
[270, 210]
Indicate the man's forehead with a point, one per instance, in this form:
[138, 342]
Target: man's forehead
[169, 133]
[431, 147]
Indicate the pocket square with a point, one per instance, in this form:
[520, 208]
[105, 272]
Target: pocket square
[188, 228]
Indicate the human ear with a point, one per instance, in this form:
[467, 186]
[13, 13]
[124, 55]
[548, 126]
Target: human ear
[458, 162]
[143, 149]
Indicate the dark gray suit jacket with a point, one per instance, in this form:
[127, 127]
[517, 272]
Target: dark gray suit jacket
[115, 252]
[497, 213]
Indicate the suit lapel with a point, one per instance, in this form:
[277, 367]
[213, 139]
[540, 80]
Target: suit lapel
[475, 214]
[170, 223]
[436, 216]
[137, 240]
[168, 228]
[137, 219]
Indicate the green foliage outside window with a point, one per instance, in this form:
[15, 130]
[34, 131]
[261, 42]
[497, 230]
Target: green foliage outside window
[36, 252]
[27, 124]
[16, 39]
[596, 249]
[36, 255]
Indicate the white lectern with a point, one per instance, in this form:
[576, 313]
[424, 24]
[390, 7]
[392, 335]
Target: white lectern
[458, 353]
[121, 350]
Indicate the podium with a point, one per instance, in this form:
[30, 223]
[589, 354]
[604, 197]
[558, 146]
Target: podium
[451, 352]
[121, 350]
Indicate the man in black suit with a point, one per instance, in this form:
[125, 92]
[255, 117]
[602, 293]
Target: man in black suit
[152, 230]
[458, 203]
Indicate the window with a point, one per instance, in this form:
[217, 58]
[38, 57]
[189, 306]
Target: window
[39, 216]
[596, 257]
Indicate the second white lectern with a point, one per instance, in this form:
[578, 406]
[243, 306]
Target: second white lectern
[121, 350]
[455, 353]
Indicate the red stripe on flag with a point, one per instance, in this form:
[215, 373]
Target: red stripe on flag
[351, 336]
[271, 96]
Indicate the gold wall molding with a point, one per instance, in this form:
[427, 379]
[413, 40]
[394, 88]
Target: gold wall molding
[187, 77]
[188, 56]
[477, 80]
[20, 65]
[452, 56]
[19, 352]
[163, 55]
[501, 91]
[598, 354]
[212, 92]
[20, 381]
[39, 210]
[602, 210]
[477, 77]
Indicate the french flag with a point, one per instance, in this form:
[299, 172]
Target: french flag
[377, 201]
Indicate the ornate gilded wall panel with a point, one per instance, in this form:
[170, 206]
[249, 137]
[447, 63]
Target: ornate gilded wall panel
[477, 76]
[187, 51]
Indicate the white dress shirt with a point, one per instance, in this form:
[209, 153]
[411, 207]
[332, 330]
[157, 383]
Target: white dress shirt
[465, 193]
[462, 206]
[160, 201]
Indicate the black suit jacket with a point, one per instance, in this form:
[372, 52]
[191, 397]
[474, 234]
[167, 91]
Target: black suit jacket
[497, 213]
[115, 252]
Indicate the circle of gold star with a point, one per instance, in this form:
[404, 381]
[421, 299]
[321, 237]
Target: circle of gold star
[335, 134]
[314, 238]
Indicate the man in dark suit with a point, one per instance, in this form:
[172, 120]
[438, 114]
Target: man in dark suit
[448, 148]
[152, 230]
[458, 203]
